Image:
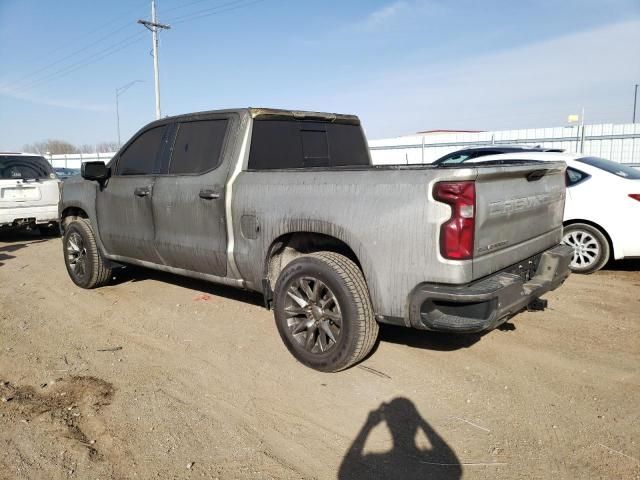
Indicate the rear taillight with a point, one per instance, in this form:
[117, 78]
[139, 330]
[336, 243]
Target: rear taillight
[456, 234]
[635, 196]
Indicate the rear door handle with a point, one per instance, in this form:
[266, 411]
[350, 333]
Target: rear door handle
[209, 194]
[142, 192]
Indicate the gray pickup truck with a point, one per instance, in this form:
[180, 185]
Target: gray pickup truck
[287, 204]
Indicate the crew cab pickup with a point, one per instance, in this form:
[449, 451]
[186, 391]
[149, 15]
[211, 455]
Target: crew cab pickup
[288, 204]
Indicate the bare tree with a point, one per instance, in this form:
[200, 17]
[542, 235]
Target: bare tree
[58, 147]
[106, 147]
[52, 146]
[87, 148]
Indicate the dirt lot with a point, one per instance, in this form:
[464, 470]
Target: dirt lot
[157, 376]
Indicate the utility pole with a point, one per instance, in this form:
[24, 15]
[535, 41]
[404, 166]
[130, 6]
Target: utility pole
[153, 26]
[635, 101]
[582, 128]
[120, 91]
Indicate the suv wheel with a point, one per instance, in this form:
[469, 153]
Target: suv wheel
[323, 311]
[590, 247]
[85, 264]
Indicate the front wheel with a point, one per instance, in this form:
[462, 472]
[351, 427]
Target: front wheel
[323, 311]
[85, 264]
[590, 247]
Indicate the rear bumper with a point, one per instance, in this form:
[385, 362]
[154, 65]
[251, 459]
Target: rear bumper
[28, 215]
[485, 304]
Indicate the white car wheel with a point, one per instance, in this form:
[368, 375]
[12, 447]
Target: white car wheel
[590, 247]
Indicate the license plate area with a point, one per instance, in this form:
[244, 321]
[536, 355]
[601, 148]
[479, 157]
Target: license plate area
[525, 269]
[20, 194]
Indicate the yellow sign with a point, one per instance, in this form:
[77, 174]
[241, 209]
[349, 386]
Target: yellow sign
[573, 118]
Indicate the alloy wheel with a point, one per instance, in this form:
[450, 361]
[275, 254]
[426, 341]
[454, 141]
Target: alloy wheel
[77, 255]
[313, 315]
[586, 248]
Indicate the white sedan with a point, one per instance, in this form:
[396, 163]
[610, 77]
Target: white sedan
[602, 209]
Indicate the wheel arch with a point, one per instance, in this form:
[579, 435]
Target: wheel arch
[71, 212]
[288, 246]
[604, 232]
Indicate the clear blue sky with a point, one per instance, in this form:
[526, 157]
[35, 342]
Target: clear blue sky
[402, 65]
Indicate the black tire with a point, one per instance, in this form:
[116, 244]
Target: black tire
[340, 278]
[591, 247]
[79, 243]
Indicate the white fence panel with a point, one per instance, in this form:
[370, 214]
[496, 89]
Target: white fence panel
[619, 142]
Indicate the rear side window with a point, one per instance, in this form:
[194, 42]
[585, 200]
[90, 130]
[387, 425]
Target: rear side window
[198, 146]
[574, 177]
[303, 144]
[141, 157]
[25, 167]
[622, 171]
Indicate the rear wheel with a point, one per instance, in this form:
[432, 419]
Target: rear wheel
[590, 247]
[85, 264]
[323, 311]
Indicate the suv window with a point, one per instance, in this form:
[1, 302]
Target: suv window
[141, 157]
[198, 146]
[303, 144]
[25, 167]
[574, 177]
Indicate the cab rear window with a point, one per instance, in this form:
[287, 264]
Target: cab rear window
[284, 144]
[23, 167]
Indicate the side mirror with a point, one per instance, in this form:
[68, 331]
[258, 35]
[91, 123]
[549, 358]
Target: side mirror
[97, 171]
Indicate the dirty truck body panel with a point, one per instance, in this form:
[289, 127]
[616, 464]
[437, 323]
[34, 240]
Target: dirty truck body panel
[223, 221]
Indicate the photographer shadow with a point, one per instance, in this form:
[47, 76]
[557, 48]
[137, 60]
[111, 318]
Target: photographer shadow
[405, 460]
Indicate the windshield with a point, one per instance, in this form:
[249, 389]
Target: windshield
[618, 169]
[21, 167]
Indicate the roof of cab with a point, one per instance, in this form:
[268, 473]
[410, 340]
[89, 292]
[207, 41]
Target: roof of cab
[277, 114]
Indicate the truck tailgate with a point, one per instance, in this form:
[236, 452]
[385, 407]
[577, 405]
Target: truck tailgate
[519, 211]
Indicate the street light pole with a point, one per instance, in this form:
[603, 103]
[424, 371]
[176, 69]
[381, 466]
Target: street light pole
[120, 91]
[635, 101]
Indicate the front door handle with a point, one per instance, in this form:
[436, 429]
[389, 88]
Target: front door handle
[209, 194]
[142, 192]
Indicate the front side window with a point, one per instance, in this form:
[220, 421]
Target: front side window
[622, 171]
[141, 157]
[198, 146]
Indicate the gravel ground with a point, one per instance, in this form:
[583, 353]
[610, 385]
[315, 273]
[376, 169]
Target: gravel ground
[157, 376]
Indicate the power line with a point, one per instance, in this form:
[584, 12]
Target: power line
[225, 7]
[71, 55]
[120, 45]
[75, 42]
[185, 5]
[116, 47]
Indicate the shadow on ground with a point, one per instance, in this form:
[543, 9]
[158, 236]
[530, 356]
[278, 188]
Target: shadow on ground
[629, 265]
[138, 274]
[443, 342]
[13, 240]
[405, 459]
